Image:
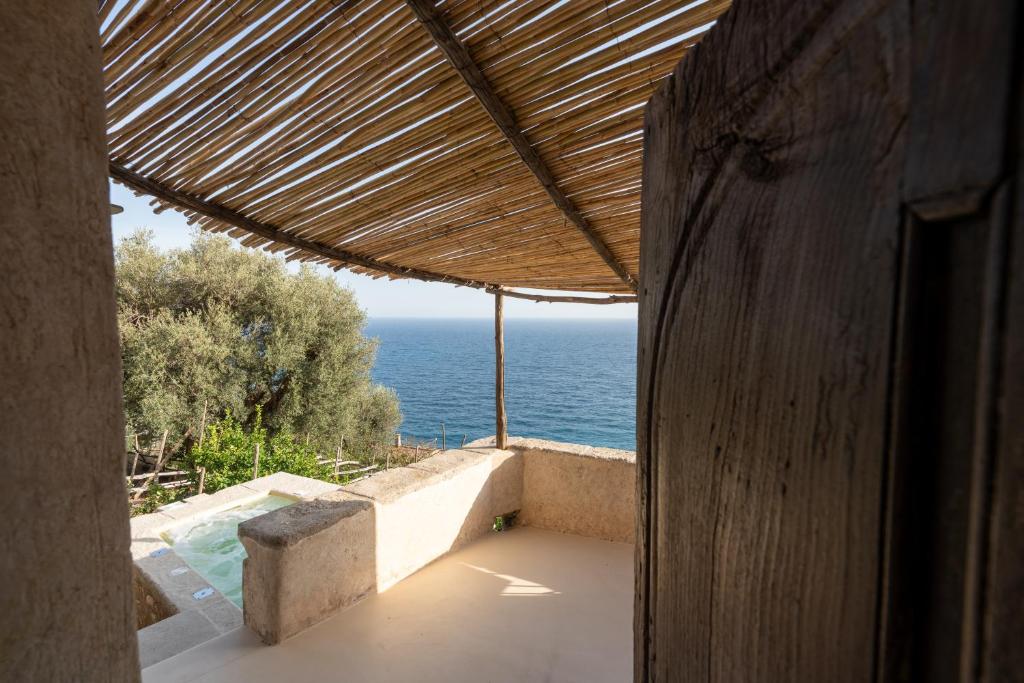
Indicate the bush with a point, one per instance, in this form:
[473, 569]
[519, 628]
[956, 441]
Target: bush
[157, 496]
[228, 450]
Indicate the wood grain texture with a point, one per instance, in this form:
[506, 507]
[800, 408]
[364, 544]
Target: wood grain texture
[963, 63]
[943, 614]
[771, 218]
[940, 457]
[831, 468]
[1000, 652]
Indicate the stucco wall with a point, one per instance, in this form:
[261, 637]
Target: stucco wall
[581, 490]
[66, 598]
[309, 560]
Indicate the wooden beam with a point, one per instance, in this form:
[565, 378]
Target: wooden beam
[458, 56]
[560, 299]
[188, 202]
[183, 200]
[501, 426]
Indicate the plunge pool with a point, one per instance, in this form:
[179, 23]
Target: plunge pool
[210, 545]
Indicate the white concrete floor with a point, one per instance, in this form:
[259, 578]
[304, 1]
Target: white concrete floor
[524, 605]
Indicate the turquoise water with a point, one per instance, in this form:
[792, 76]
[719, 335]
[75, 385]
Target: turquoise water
[566, 380]
[211, 546]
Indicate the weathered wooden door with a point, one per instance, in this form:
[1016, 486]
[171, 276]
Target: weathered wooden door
[831, 364]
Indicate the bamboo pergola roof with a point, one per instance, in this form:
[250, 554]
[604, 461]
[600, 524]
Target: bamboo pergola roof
[484, 143]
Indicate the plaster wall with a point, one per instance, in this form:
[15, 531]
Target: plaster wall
[191, 620]
[309, 560]
[66, 606]
[581, 490]
[575, 489]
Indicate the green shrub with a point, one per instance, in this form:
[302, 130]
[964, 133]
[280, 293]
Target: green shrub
[228, 451]
[157, 496]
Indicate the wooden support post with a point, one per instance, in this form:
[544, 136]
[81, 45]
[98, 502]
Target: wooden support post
[501, 426]
[135, 458]
[444, 447]
[156, 470]
[256, 463]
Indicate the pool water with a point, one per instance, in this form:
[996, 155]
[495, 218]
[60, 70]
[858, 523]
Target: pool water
[211, 545]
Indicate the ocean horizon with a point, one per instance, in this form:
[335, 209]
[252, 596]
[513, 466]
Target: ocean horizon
[570, 380]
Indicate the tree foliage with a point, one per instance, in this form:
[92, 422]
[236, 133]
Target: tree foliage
[237, 332]
[228, 452]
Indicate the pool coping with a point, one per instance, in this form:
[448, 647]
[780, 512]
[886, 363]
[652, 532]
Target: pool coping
[210, 614]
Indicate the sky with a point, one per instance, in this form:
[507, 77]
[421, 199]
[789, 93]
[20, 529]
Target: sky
[380, 298]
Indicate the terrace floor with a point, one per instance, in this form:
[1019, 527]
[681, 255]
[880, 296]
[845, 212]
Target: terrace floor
[524, 605]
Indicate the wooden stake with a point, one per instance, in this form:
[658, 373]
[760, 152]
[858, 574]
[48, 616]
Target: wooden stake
[443, 446]
[501, 424]
[256, 463]
[135, 460]
[156, 470]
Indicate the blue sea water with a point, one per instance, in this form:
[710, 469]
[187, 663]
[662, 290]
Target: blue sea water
[565, 380]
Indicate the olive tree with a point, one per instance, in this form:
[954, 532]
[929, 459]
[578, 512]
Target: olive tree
[235, 331]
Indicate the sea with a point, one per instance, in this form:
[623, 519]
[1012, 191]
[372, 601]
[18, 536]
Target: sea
[565, 380]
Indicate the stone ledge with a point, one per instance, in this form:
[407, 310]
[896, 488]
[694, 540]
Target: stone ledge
[310, 560]
[197, 620]
[288, 525]
[576, 489]
[520, 443]
[307, 561]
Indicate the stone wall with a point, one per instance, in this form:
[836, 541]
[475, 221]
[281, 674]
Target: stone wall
[193, 620]
[66, 599]
[151, 605]
[310, 560]
[574, 489]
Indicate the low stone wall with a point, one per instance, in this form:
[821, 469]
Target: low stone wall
[309, 560]
[581, 490]
[165, 577]
[151, 605]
